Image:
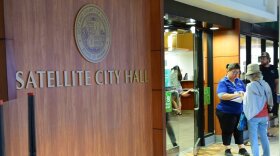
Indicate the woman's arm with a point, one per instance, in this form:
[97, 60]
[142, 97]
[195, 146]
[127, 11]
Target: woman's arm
[227, 96]
[223, 94]
[186, 93]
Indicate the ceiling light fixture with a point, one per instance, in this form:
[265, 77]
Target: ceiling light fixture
[214, 28]
[191, 22]
[166, 30]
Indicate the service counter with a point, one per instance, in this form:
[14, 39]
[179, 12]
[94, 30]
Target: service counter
[187, 102]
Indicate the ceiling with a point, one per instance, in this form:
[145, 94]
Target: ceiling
[236, 9]
[180, 24]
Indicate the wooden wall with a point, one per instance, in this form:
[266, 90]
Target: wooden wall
[157, 56]
[225, 50]
[106, 120]
[3, 67]
[205, 73]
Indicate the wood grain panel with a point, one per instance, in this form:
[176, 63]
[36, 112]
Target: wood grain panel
[158, 109]
[220, 63]
[83, 120]
[3, 65]
[157, 70]
[225, 43]
[11, 71]
[16, 127]
[187, 84]
[206, 123]
[156, 25]
[3, 69]
[188, 102]
[159, 138]
[205, 71]
[2, 26]
[225, 50]
[7, 68]
[185, 41]
[218, 130]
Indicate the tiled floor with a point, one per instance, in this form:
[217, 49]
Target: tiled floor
[184, 132]
[183, 126]
[218, 150]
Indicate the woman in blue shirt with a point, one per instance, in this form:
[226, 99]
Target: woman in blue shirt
[230, 91]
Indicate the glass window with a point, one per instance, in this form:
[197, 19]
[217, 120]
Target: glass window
[256, 49]
[270, 50]
[242, 53]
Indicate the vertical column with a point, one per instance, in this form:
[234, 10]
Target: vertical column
[31, 125]
[3, 66]
[7, 74]
[157, 58]
[210, 76]
[275, 48]
[3, 78]
[263, 45]
[278, 58]
[248, 50]
[7, 67]
[2, 138]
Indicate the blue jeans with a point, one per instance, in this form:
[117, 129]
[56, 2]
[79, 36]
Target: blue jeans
[258, 126]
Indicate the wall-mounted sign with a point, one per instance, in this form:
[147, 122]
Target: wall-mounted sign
[207, 97]
[92, 33]
[168, 101]
[50, 79]
[93, 38]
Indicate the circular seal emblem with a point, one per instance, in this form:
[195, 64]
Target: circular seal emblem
[92, 33]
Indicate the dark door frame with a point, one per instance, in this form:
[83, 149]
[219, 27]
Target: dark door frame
[179, 9]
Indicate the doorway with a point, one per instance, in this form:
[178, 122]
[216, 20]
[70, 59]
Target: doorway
[184, 85]
[189, 118]
[180, 120]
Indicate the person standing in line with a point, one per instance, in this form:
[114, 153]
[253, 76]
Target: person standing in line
[271, 76]
[230, 91]
[256, 102]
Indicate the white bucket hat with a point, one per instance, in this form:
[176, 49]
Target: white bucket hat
[252, 69]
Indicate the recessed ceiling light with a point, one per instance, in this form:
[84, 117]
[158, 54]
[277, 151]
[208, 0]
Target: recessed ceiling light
[166, 26]
[191, 22]
[214, 28]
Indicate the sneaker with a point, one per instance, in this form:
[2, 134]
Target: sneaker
[228, 152]
[270, 135]
[174, 144]
[243, 151]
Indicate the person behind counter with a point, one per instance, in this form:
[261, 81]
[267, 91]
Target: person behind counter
[230, 91]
